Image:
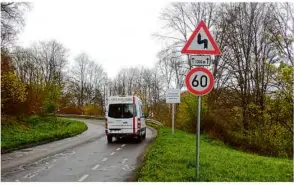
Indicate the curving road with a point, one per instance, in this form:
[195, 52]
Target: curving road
[93, 160]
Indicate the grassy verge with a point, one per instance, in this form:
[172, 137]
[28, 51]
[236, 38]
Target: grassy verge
[35, 130]
[153, 125]
[172, 158]
[80, 116]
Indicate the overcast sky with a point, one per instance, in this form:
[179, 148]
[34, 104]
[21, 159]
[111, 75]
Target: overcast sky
[114, 33]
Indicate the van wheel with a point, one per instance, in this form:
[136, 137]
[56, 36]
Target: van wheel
[144, 136]
[140, 138]
[109, 139]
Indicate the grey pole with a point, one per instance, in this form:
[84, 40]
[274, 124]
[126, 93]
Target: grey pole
[173, 118]
[198, 138]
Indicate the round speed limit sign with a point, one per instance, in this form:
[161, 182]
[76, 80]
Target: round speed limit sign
[199, 81]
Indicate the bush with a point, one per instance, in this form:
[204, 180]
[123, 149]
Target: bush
[161, 113]
[13, 90]
[92, 110]
[186, 113]
[267, 132]
[71, 110]
[51, 93]
[265, 135]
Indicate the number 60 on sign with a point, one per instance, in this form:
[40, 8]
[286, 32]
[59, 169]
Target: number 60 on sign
[199, 81]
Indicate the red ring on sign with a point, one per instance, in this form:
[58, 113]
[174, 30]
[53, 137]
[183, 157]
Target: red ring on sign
[205, 91]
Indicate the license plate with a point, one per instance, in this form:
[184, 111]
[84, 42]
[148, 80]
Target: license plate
[115, 131]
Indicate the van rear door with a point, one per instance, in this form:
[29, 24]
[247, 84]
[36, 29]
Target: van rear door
[121, 118]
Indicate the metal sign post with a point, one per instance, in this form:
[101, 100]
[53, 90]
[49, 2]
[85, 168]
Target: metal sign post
[173, 96]
[198, 138]
[200, 81]
[173, 118]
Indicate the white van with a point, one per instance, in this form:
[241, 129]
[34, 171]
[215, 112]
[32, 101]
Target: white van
[125, 117]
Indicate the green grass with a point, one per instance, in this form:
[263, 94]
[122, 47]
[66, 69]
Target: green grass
[172, 158]
[80, 116]
[153, 125]
[34, 130]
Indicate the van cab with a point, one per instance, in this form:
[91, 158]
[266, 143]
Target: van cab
[125, 117]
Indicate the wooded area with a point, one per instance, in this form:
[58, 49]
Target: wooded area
[250, 107]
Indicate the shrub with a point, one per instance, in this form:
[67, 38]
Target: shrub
[13, 90]
[161, 113]
[186, 113]
[265, 136]
[71, 110]
[93, 110]
[268, 131]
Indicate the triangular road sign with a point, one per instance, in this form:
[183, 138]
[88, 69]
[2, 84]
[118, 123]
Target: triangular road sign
[201, 42]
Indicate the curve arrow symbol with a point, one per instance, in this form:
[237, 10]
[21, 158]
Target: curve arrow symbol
[204, 41]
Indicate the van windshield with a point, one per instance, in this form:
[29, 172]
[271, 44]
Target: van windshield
[121, 110]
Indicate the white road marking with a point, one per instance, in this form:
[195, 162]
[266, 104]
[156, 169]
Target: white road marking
[112, 153]
[83, 178]
[123, 145]
[124, 160]
[118, 149]
[31, 175]
[128, 168]
[95, 167]
[104, 159]
[48, 167]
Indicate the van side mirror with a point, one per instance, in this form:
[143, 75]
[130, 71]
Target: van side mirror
[144, 115]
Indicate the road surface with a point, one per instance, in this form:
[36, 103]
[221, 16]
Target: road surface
[95, 160]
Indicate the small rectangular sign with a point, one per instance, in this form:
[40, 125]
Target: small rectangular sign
[200, 60]
[173, 96]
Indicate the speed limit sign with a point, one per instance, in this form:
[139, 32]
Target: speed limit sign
[199, 81]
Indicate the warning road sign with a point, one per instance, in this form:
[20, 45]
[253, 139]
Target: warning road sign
[201, 42]
[199, 81]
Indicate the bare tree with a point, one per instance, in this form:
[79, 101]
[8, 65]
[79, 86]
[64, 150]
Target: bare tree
[89, 80]
[41, 63]
[137, 81]
[12, 21]
[79, 72]
[249, 51]
[282, 30]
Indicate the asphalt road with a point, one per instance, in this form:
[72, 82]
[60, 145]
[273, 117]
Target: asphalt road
[93, 161]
